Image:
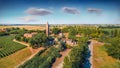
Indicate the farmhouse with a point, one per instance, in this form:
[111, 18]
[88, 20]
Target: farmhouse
[60, 35]
[29, 35]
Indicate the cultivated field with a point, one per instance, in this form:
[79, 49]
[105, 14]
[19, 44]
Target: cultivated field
[13, 60]
[12, 53]
[15, 54]
[7, 46]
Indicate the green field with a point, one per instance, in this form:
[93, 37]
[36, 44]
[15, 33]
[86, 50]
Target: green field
[101, 58]
[8, 47]
[109, 30]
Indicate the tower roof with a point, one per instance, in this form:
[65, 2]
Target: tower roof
[47, 22]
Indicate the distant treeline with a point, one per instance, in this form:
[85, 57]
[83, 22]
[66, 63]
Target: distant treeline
[109, 26]
[17, 30]
[103, 25]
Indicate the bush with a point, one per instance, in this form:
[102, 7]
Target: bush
[3, 33]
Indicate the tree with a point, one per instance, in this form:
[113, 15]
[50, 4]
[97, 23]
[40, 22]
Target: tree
[18, 37]
[114, 45]
[82, 40]
[72, 34]
[76, 57]
[25, 39]
[65, 29]
[62, 46]
[56, 30]
[67, 63]
[4, 33]
[38, 40]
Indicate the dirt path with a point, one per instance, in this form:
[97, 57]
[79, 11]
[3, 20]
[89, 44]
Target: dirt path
[91, 49]
[59, 61]
[33, 51]
[21, 42]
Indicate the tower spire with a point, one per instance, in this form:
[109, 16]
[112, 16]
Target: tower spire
[47, 29]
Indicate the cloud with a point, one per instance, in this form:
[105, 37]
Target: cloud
[94, 10]
[70, 10]
[39, 12]
[28, 19]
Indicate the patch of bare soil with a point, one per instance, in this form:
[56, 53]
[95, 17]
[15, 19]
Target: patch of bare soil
[59, 61]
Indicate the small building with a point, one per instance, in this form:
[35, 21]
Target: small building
[70, 42]
[78, 35]
[29, 35]
[60, 35]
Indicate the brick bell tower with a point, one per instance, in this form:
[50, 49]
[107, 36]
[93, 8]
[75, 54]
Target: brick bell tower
[47, 29]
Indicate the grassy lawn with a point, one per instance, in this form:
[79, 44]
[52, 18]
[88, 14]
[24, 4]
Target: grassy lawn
[15, 59]
[101, 58]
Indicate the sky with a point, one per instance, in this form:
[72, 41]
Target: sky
[59, 11]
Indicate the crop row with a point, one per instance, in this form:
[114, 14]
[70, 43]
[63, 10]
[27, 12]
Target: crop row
[8, 47]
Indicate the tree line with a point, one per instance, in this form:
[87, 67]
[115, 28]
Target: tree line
[43, 59]
[76, 57]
